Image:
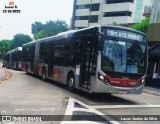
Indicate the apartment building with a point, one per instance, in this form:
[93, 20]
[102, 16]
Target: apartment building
[92, 12]
[155, 15]
[153, 29]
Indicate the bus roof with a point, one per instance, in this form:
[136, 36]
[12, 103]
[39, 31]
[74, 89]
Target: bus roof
[63, 35]
[14, 50]
[123, 28]
[112, 26]
[68, 34]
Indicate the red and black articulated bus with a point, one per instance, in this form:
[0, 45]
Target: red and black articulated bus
[98, 59]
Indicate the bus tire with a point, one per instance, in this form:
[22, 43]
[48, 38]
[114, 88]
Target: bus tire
[44, 74]
[71, 82]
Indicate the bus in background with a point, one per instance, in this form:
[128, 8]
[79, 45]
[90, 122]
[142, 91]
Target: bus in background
[13, 59]
[98, 59]
[28, 56]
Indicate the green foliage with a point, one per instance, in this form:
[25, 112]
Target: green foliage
[5, 46]
[20, 39]
[49, 29]
[36, 27]
[142, 26]
[115, 23]
[40, 34]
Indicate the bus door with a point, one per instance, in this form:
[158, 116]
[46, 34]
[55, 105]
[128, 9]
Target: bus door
[32, 61]
[87, 58]
[32, 53]
[50, 61]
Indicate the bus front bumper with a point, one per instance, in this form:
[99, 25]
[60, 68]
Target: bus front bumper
[100, 87]
[125, 90]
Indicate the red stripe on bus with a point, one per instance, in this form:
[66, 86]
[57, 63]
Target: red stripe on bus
[123, 82]
[57, 73]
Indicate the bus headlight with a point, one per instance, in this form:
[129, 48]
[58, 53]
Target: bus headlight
[102, 78]
[140, 82]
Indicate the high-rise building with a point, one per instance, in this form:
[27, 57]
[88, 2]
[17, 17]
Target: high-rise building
[153, 28]
[138, 11]
[92, 12]
[147, 8]
[155, 15]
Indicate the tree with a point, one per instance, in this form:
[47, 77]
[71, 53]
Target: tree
[142, 26]
[40, 35]
[50, 28]
[61, 26]
[5, 46]
[36, 27]
[115, 24]
[20, 39]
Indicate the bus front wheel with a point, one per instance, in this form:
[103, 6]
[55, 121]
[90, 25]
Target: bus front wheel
[71, 82]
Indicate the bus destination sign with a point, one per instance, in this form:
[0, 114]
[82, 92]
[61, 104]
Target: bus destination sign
[124, 34]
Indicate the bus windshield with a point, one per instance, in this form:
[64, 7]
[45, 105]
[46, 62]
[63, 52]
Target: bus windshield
[122, 56]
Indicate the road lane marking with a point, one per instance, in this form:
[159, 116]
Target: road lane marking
[70, 109]
[124, 106]
[134, 99]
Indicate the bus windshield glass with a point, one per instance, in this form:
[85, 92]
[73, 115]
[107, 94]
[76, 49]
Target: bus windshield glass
[121, 55]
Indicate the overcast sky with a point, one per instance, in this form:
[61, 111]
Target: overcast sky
[31, 11]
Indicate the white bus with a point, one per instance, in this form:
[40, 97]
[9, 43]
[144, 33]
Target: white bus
[100, 59]
[13, 59]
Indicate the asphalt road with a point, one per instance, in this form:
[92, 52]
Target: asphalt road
[27, 95]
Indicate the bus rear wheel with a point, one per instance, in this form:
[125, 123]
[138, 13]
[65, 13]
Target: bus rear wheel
[44, 74]
[71, 82]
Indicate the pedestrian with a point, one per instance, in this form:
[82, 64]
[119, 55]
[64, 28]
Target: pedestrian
[156, 76]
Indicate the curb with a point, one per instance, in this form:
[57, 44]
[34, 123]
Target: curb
[7, 76]
[153, 93]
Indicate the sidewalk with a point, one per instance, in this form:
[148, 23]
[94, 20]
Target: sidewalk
[152, 90]
[2, 73]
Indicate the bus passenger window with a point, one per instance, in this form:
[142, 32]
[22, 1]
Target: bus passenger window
[75, 52]
[61, 54]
